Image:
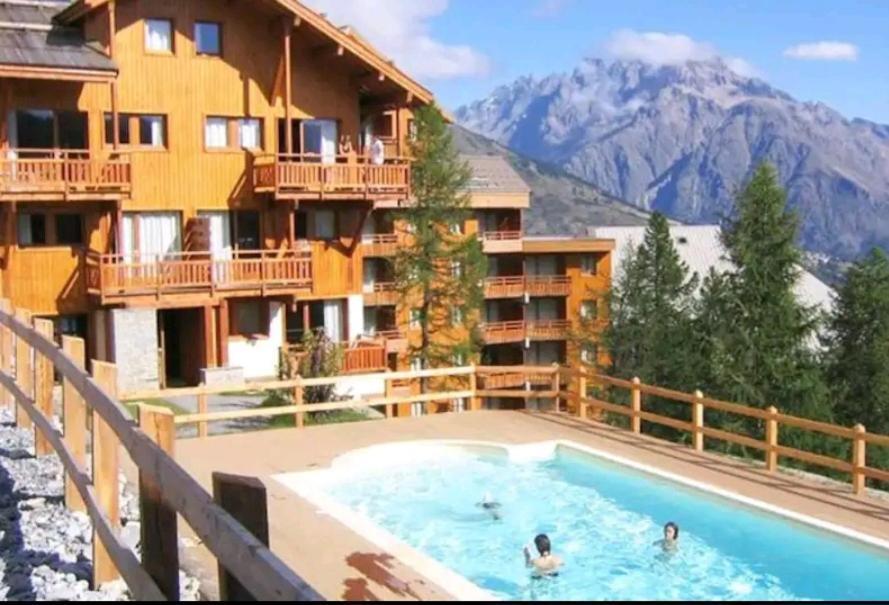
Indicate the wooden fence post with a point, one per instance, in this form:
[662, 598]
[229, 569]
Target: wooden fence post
[636, 406]
[475, 402]
[43, 386]
[387, 390]
[698, 421]
[105, 474]
[159, 533]
[582, 393]
[298, 398]
[5, 351]
[556, 384]
[74, 420]
[859, 460]
[772, 440]
[202, 409]
[244, 498]
[24, 370]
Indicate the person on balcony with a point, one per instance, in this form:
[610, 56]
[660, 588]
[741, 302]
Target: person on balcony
[377, 151]
[346, 151]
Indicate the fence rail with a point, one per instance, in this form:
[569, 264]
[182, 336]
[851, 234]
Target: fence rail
[25, 346]
[64, 172]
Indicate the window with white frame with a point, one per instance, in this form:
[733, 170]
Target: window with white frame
[207, 38]
[588, 264]
[457, 228]
[415, 319]
[159, 35]
[458, 405]
[589, 353]
[152, 131]
[250, 133]
[589, 309]
[216, 133]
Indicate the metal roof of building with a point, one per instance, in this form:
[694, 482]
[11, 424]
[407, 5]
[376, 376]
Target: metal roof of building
[28, 37]
[493, 174]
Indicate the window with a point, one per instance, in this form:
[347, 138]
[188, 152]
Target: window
[458, 405]
[207, 38]
[69, 229]
[588, 264]
[72, 130]
[246, 225]
[456, 228]
[32, 230]
[250, 318]
[589, 353]
[123, 121]
[416, 364]
[589, 309]
[70, 325]
[216, 133]
[159, 36]
[325, 224]
[456, 316]
[415, 318]
[250, 133]
[456, 269]
[459, 359]
[152, 131]
[47, 129]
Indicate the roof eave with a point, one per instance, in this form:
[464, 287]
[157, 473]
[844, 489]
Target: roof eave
[43, 72]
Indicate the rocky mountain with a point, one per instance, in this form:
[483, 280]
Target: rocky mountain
[561, 204]
[682, 138]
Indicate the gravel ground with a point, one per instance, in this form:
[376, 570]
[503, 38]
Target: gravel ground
[45, 549]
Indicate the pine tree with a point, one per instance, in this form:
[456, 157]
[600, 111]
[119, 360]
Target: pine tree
[857, 355]
[439, 271]
[758, 339]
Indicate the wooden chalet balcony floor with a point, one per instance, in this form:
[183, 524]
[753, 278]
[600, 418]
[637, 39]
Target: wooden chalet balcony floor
[307, 177]
[516, 286]
[534, 330]
[115, 278]
[379, 244]
[61, 175]
[380, 293]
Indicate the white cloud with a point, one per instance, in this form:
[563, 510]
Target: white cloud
[825, 50]
[400, 29]
[659, 48]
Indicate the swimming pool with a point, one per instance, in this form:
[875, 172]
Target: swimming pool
[603, 519]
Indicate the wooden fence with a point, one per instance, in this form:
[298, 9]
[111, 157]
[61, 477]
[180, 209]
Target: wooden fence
[28, 358]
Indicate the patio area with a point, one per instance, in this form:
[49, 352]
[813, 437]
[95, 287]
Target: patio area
[344, 566]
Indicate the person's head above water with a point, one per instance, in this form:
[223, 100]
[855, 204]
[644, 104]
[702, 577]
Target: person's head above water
[543, 545]
[671, 531]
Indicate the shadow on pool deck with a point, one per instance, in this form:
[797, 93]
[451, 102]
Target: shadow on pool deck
[343, 565]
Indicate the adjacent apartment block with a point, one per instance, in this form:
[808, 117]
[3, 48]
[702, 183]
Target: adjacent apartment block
[187, 184]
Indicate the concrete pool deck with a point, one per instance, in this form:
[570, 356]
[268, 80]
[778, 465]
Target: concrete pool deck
[342, 565]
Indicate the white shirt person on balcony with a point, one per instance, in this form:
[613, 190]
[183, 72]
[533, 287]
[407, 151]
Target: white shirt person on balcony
[377, 152]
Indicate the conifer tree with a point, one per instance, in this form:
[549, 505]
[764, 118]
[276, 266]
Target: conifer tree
[439, 271]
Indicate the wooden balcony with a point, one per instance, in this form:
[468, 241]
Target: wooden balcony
[548, 285]
[516, 286]
[396, 341]
[62, 175]
[548, 329]
[500, 242]
[307, 177]
[360, 357]
[379, 244]
[504, 331]
[380, 293]
[132, 279]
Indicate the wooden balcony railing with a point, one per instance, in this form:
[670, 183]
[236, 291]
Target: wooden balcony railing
[358, 357]
[64, 174]
[548, 329]
[494, 242]
[311, 176]
[380, 293]
[379, 244]
[396, 341]
[514, 286]
[122, 276]
[504, 331]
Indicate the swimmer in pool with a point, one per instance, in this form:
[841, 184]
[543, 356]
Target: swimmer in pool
[547, 564]
[670, 543]
[490, 506]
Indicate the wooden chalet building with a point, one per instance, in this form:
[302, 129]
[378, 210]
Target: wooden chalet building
[171, 189]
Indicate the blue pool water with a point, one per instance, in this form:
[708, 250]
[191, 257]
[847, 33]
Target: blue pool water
[603, 519]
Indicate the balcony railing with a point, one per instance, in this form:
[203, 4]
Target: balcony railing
[494, 242]
[518, 330]
[396, 341]
[358, 357]
[311, 176]
[515, 286]
[64, 174]
[379, 244]
[119, 277]
[380, 293]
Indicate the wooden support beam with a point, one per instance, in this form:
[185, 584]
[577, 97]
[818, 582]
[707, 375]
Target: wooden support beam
[106, 465]
[74, 420]
[288, 88]
[859, 460]
[244, 498]
[772, 440]
[325, 50]
[24, 371]
[368, 77]
[43, 374]
[636, 406]
[697, 413]
[160, 536]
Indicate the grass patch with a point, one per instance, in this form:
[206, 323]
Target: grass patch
[244, 393]
[133, 406]
[276, 400]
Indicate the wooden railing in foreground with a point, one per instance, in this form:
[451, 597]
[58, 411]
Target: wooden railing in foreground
[27, 358]
[773, 420]
[570, 385]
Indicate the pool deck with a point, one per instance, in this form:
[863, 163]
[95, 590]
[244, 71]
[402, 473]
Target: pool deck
[342, 565]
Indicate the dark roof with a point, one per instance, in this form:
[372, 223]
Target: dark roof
[28, 37]
[493, 174]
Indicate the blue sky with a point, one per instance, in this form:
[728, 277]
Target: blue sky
[462, 49]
